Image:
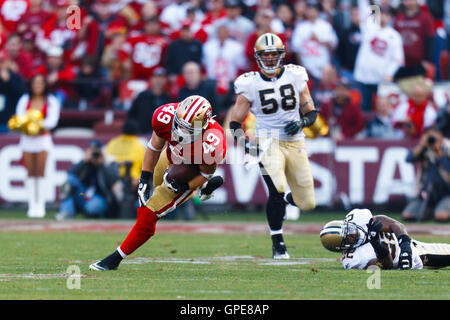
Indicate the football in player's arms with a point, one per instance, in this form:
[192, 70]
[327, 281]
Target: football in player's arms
[366, 240]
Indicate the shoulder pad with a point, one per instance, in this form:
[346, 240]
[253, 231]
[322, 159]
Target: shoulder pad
[296, 69]
[244, 81]
[246, 78]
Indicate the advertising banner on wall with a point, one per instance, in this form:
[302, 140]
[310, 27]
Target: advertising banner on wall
[360, 171]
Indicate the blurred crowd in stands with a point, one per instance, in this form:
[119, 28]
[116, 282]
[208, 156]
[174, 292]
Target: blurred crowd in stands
[91, 52]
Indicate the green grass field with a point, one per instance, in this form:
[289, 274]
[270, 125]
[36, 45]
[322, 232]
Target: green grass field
[173, 266]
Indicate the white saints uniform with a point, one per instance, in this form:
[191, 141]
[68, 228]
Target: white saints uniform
[359, 257]
[274, 101]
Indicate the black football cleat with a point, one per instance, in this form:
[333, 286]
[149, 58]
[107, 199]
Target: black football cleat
[111, 262]
[101, 266]
[279, 251]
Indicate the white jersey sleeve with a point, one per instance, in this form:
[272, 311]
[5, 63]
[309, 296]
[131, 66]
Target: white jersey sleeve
[360, 217]
[53, 112]
[244, 85]
[359, 258]
[300, 76]
[21, 108]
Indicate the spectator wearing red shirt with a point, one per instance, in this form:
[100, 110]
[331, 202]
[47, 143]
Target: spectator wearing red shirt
[146, 52]
[325, 90]
[2, 37]
[32, 21]
[148, 10]
[417, 113]
[10, 13]
[102, 21]
[417, 31]
[216, 11]
[20, 60]
[54, 31]
[343, 117]
[116, 68]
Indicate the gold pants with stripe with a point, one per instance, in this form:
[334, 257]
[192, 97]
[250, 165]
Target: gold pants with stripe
[432, 248]
[287, 164]
[433, 255]
[163, 200]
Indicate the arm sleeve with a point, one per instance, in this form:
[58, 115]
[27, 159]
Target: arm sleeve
[242, 85]
[397, 56]
[301, 77]
[52, 114]
[21, 108]
[363, 15]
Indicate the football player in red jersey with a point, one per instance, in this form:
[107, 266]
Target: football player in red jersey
[183, 132]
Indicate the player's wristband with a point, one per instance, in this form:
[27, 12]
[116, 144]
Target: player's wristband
[380, 250]
[309, 118]
[235, 126]
[146, 175]
[149, 145]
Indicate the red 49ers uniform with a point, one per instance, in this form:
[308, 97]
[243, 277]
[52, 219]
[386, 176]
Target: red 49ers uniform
[210, 149]
[146, 53]
[212, 145]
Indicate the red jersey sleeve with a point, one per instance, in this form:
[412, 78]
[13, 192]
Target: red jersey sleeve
[162, 120]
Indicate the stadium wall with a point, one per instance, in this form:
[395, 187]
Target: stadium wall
[371, 172]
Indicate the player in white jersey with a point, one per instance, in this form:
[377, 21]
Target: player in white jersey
[366, 240]
[279, 98]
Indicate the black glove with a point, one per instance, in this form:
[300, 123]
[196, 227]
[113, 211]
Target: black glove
[144, 187]
[251, 148]
[292, 127]
[174, 186]
[405, 260]
[373, 230]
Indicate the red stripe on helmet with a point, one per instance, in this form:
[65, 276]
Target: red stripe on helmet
[190, 108]
[193, 114]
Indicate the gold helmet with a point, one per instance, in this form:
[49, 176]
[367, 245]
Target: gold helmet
[269, 42]
[339, 235]
[331, 235]
[191, 118]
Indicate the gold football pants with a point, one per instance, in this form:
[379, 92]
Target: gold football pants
[287, 164]
[433, 255]
[163, 200]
